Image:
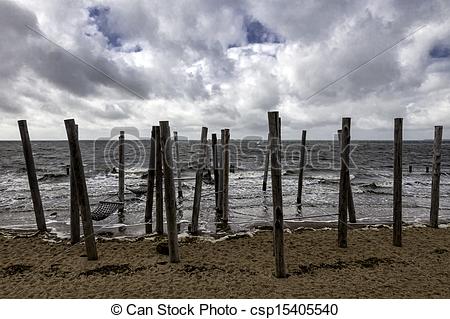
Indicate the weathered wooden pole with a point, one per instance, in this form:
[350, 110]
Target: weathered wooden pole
[226, 174]
[178, 166]
[215, 168]
[397, 205]
[159, 184]
[351, 203]
[121, 171]
[300, 173]
[434, 212]
[82, 194]
[169, 190]
[220, 160]
[150, 184]
[74, 206]
[266, 164]
[32, 178]
[344, 182]
[207, 161]
[199, 181]
[277, 195]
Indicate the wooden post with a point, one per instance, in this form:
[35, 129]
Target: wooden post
[32, 178]
[178, 166]
[215, 168]
[199, 182]
[226, 174]
[159, 184]
[121, 170]
[344, 182]
[207, 161]
[277, 194]
[397, 207]
[300, 173]
[427, 169]
[169, 190]
[410, 168]
[74, 206]
[82, 195]
[220, 160]
[351, 203]
[266, 164]
[434, 212]
[150, 184]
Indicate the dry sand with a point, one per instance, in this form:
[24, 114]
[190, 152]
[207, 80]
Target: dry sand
[240, 268]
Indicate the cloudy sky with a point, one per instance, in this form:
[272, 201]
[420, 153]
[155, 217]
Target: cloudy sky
[224, 64]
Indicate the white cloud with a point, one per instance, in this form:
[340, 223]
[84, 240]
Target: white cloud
[195, 67]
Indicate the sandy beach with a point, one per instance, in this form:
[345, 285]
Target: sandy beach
[45, 267]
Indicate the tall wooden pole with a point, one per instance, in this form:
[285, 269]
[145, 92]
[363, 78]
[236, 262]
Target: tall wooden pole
[74, 206]
[178, 166]
[277, 194]
[32, 178]
[169, 189]
[266, 164]
[226, 174]
[150, 184]
[434, 212]
[397, 207]
[159, 184]
[220, 160]
[344, 182]
[199, 181]
[121, 171]
[215, 168]
[351, 203]
[300, 173]
[83, 198]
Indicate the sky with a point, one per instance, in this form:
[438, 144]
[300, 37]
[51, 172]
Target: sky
[129, 63]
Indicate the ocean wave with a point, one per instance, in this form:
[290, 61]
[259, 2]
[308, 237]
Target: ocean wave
[53, 177]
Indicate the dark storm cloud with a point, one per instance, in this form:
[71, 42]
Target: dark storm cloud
[202, 62]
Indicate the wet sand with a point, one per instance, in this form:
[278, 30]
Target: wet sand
[45, 267]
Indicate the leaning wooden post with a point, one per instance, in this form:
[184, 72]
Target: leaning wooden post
[277, 194]
[178, 166]
[351, 203]
[344, 182]
[32, 178]
[226, 174]
[434, 212]
[397, 207]
[300, 173]
[150, 184]
[266, 164]
[74, 206]
[83, 198]
[169, 190]
[121, 170]
[215, 168]
[159, 184]
[199, 181]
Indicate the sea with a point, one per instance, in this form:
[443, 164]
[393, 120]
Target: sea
[371, 173]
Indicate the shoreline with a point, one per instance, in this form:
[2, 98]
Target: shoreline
[289, 226]
[242, 266]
